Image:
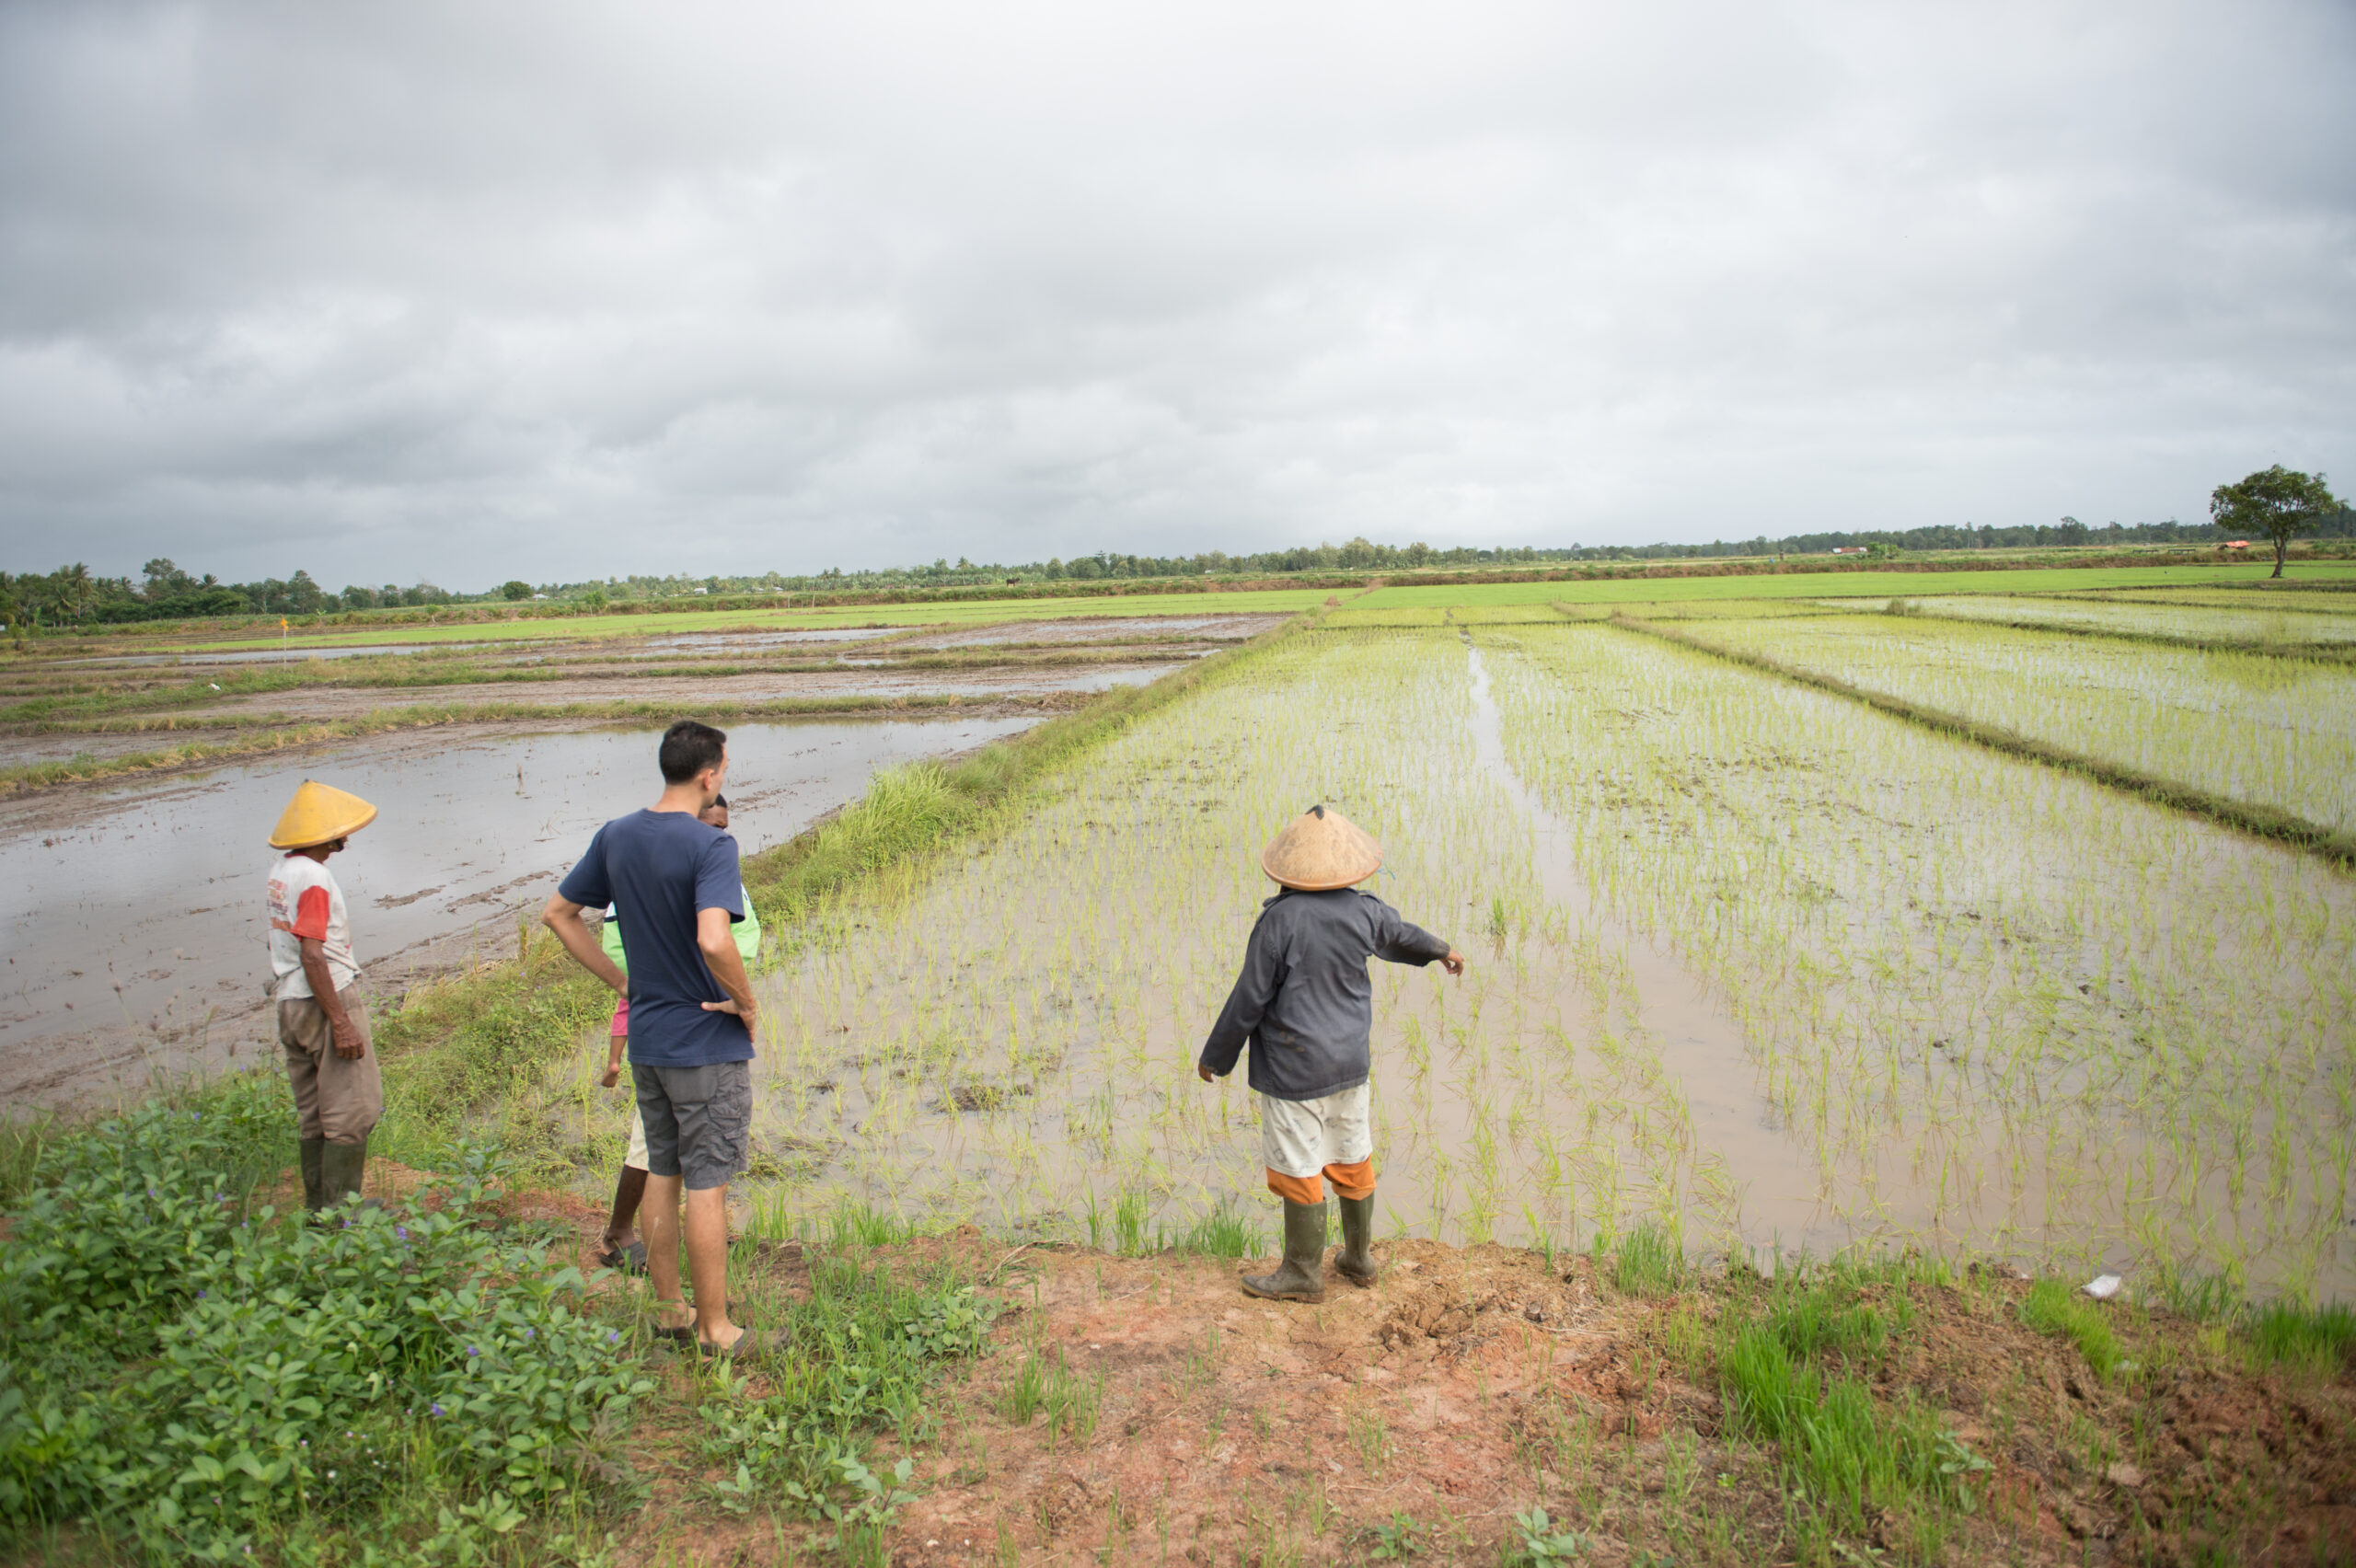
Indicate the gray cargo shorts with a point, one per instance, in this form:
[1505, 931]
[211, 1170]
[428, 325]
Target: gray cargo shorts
[697, 1120]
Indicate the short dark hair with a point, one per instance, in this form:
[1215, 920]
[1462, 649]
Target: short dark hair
[689, 748]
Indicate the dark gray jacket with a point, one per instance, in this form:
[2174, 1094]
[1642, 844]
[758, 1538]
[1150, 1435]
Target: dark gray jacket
[1303, 1002]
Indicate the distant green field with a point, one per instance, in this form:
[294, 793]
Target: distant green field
[1843, 584]
[678, 622]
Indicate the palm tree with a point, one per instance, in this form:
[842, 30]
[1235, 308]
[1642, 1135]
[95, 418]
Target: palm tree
[75, 592]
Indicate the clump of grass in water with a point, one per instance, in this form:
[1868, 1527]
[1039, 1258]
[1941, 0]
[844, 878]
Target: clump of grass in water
[1648, 1261]
[2053, 1308]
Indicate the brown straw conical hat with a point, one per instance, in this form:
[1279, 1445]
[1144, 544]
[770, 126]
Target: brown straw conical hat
[1322, 848]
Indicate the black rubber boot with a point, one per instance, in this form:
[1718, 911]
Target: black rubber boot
[1301, 1276]
[342, 1168]
[314, 1173]
[1355, 1261]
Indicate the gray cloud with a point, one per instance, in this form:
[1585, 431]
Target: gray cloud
[469, 291]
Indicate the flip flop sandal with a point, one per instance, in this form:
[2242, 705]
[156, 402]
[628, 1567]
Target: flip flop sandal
[686, 1334]
[630, 1260]
[751, 1342]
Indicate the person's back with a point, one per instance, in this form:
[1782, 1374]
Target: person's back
[1306, 1004]
[659, 869]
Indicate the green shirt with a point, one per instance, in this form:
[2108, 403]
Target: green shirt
[747, 934]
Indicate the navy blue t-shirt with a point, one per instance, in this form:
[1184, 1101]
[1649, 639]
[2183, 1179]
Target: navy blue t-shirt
[658, 870]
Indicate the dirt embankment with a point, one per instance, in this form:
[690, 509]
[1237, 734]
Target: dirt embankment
[1472, 1385]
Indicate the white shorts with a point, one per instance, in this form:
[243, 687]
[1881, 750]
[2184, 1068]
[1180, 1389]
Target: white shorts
[1301, 1137]
[636, 1157]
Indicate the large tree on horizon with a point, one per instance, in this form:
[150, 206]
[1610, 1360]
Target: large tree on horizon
[2276, 501]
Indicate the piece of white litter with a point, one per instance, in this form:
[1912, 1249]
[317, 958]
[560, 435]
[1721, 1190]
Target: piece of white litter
[2102, 1288]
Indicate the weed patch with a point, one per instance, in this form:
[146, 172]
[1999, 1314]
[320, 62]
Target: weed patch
[864, 1344]
[197, 1381]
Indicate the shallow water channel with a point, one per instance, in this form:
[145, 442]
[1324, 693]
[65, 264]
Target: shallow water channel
[135, 934]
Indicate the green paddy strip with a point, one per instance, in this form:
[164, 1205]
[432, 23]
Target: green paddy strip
[2313, 652]
[2264, 822]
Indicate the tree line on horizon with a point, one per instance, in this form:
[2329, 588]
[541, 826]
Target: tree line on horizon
[72, 595]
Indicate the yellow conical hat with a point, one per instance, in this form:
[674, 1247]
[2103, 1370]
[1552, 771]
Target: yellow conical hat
[319, 814]
[1322, 848]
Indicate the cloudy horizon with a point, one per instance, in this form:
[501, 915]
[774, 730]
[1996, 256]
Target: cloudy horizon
[560, 292]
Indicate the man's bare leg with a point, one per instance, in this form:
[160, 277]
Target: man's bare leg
[628, 1193]
[708, 1264]
[660, 1219]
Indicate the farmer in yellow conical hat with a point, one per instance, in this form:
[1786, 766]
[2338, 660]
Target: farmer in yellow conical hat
[338, 1094]
[1306, 1008]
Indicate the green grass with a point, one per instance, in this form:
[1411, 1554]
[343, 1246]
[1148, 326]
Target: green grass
[2320, 1339]
[2053, 1308]
[1648, 1261]
[1836, 584]
[672, 623]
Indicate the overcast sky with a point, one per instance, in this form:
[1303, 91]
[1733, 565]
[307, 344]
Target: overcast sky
[469, 291]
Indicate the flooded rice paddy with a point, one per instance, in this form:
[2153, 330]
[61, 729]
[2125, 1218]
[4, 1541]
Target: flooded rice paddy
[133, 912]
[2270, 731]
[2245, 617]
[1790, 972]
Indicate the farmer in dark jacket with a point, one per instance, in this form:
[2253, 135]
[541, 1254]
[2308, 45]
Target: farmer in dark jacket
[1306, 1008]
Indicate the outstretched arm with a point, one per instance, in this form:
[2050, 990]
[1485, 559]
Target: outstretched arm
[1403, 942]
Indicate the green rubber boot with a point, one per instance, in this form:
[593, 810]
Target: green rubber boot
[1301, 1276]
[1355, 1261]
[314, 1173]
[342, 1168]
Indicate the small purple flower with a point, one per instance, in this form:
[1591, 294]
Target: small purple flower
[472, 1351]
[437, 1410]
[199, 1296]
[527, 1334]
[613, 1337]
[401, 1231]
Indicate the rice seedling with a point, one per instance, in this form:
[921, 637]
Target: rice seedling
[1753, 963]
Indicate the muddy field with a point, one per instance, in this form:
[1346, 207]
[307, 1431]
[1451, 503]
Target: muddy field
[131, 953]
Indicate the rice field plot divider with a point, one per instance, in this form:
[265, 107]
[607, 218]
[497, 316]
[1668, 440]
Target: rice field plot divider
[2324, 653]
[2264, 822]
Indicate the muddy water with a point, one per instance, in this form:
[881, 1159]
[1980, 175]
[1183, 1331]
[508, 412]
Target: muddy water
[270, 656]
[1698, 1038]
[136, 938]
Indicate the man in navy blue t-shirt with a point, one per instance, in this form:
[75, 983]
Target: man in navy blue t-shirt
[673, 882]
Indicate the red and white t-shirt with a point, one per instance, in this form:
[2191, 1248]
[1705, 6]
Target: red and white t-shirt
[304, 902]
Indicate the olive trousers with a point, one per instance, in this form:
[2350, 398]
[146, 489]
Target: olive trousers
[335, 1099]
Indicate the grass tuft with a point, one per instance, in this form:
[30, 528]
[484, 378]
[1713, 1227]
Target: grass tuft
[2320, 1339]
[1648, 1261]
[2053, 1308]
